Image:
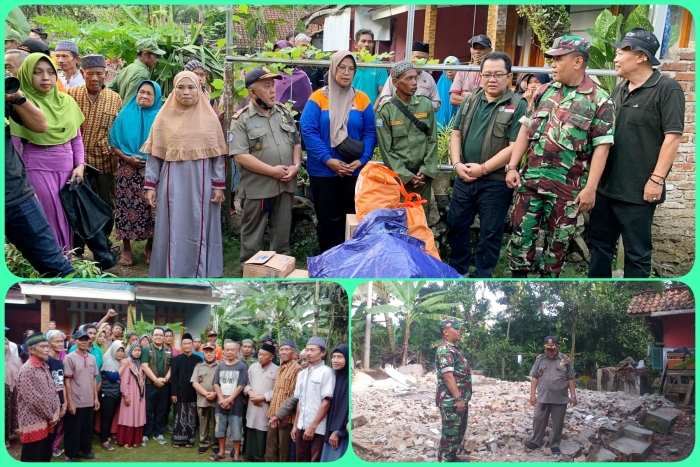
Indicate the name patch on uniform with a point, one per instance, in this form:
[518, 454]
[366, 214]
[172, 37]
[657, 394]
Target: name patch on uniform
[421, 115]
[380, 123]
[229, 137]
[253, 126]
[396, 122]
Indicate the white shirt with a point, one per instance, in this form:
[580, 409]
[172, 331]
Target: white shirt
[75, 80]
[426, 87]
[314, 384]
[13, 349]
[261, 381]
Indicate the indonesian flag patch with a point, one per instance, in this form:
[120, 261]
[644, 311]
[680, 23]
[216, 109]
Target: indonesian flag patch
[509, 109]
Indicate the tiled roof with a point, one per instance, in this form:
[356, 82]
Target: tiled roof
[675, 298]
[244, 41]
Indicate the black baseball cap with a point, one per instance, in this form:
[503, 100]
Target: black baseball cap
[481, 39]
[35, 46]
[640, 39]
[258, 73]
[79, 334]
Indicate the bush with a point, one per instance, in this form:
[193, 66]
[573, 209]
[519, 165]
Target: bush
[20, 267]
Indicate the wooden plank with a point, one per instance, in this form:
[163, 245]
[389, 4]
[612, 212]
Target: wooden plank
[685, 29]
[689, 392]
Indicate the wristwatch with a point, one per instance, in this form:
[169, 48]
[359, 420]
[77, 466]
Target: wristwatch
[459, 398]
[19, 101]
[298, 166]
[509, 168]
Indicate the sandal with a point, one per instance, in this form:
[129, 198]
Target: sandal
[126, 262]
[126, 446]
[215, 457]
[116, 250]
[107, 447]
[189, 446]
[176, 446]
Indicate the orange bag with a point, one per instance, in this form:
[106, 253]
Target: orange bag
[377, 188]
[417, 223]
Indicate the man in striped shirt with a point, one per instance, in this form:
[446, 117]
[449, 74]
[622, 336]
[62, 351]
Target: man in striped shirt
[279, 434]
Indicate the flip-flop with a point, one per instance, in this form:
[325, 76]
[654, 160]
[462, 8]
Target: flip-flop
[176, 446]
[108, 447]
[189, 446]
[116, 250]
[215, 457]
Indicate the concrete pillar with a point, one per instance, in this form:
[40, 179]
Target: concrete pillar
[496, 26]
[45, 313]
[430, 28]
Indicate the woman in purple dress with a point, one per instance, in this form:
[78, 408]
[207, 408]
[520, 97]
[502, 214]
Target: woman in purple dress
[56, 157]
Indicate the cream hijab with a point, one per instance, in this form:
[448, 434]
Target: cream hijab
[182, 133]
[339, 100]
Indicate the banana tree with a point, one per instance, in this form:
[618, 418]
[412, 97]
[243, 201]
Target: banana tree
[413, 305]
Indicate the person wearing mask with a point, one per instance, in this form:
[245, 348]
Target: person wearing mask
[337, 437]
[184, 395]
[67, 58]
[155, 361]
[465, 81]
[110, 393]
[447, 110]
[127, 82]
[55, 361]
[261, 381]
[368, 80]
[203, 382]
[340, 140]
[132, 408]
[425, 82]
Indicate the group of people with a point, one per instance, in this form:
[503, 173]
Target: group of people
[552, 389]
[276, 405]
[549, 140]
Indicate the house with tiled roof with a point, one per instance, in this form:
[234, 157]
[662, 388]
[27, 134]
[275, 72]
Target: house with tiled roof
[31, 305]
[284, 18]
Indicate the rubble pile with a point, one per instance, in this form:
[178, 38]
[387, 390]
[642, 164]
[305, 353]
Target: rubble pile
[399, 424]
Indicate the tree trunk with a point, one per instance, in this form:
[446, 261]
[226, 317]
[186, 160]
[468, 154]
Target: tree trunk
[40, 10]
[368, 327]
[316, 312]
[389, 332]
[405, 343]
[573, 340]
[201, 13]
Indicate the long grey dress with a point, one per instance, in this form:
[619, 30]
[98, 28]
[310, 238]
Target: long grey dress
[187, 238]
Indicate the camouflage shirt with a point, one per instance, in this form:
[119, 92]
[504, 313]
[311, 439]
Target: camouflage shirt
[564, 125]
[448, 359]
[553, 375]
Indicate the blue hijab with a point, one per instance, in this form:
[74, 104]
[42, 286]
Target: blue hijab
[133, 124]
[446, 111]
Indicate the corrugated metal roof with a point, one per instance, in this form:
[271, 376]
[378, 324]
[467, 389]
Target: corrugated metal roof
[674, 298]
[99, 285]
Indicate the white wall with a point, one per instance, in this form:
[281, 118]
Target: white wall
[583, 17]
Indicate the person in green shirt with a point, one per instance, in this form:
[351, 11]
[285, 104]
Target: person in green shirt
[407, 149]
[368, 80]
[126, 83]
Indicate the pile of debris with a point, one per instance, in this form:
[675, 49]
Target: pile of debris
[395, 419]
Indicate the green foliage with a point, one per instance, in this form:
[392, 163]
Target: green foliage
[444, 135]
[20, 267]
[17, 21]
[548, 22]
[187, 14]
[142, 327]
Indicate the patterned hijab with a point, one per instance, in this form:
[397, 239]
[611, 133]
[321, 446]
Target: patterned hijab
[135, 367]
[133, 124]
[63, 115]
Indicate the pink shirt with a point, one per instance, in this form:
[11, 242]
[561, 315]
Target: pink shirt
[82, 371]
[465, 81]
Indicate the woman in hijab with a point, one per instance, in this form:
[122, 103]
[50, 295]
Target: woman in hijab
[446, 111]
[534, 81]
[521, 84]
[135, 219]
[196, 67]
[336, 439]
[132, 411]
[101, 340]
[145, 340]
[187, 166]
[110, 393]
[338, 128]
[292, 87]
[57, 156]
[12, 366]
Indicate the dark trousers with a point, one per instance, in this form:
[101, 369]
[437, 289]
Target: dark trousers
[38, 451]
[278, 446]
[104, 185]
[108, 407]
[611, 218]
[28, 229]
[156, 409]
[490, 199]
[78, 432]
[334, 198]
[308, 451]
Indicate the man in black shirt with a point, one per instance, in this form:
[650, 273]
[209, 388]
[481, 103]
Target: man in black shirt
[649, 127]
[26, 225]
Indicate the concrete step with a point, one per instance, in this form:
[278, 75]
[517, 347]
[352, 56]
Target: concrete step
[661, 420]
[630, 449]
[640, 434]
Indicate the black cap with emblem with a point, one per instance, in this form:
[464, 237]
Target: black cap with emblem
[258, 73]
[643, 40]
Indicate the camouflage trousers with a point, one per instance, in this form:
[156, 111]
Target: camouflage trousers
[533, 207]
[454, 426]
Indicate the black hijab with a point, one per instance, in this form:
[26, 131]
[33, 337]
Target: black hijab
[338, 412]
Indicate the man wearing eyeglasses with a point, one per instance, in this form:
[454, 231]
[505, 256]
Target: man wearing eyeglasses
[100, 107]
[483, 135]
[566, 134]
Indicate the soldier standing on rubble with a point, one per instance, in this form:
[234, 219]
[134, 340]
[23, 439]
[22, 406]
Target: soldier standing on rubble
[552, 374]
[454, 389]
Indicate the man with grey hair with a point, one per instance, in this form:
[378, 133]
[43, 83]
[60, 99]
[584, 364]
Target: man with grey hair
[265, 143]
[13, 60]
[314, 390]
[315, 73]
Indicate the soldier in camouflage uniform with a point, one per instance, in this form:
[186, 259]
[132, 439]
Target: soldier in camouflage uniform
[454, 389]
[566, 134]
[552, 374]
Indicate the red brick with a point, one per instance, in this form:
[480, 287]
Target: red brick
[674, 177]
[684, 167]
[688, 56]
[685, 86]
[689, 129]
[674, 66]
[692, 66]
[685, 76]
[689, 118]
[690, 97]
[690, 159]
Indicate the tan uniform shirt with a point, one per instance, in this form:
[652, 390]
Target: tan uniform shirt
[204, 374]
[268, 138]
[553, 375]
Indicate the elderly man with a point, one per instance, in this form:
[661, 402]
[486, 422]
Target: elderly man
[12, 40]
[271, 341]
[551, 389]
[315, 73]
[203, 382]
[55, 362]
[67, 59]
[13, 60]
[80, 372]
[156, 361]
[425, 82]
[265, 143]
[279, 434]
[368, 80]
[483, 135]
[261, 381]
[407, 133]
[184, 395]
[247, 349]
[314, 390]
[650, 120]
[230, 379]
[38, 405]
[100, 107]
[130, 77]
[454, 389]
[566, 134]
[466, 81]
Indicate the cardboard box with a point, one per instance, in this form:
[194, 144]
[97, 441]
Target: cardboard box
[299, 274]
[351, 223]
[269, 264]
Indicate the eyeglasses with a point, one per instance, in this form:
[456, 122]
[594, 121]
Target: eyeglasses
[489, 76]
[345, 69]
